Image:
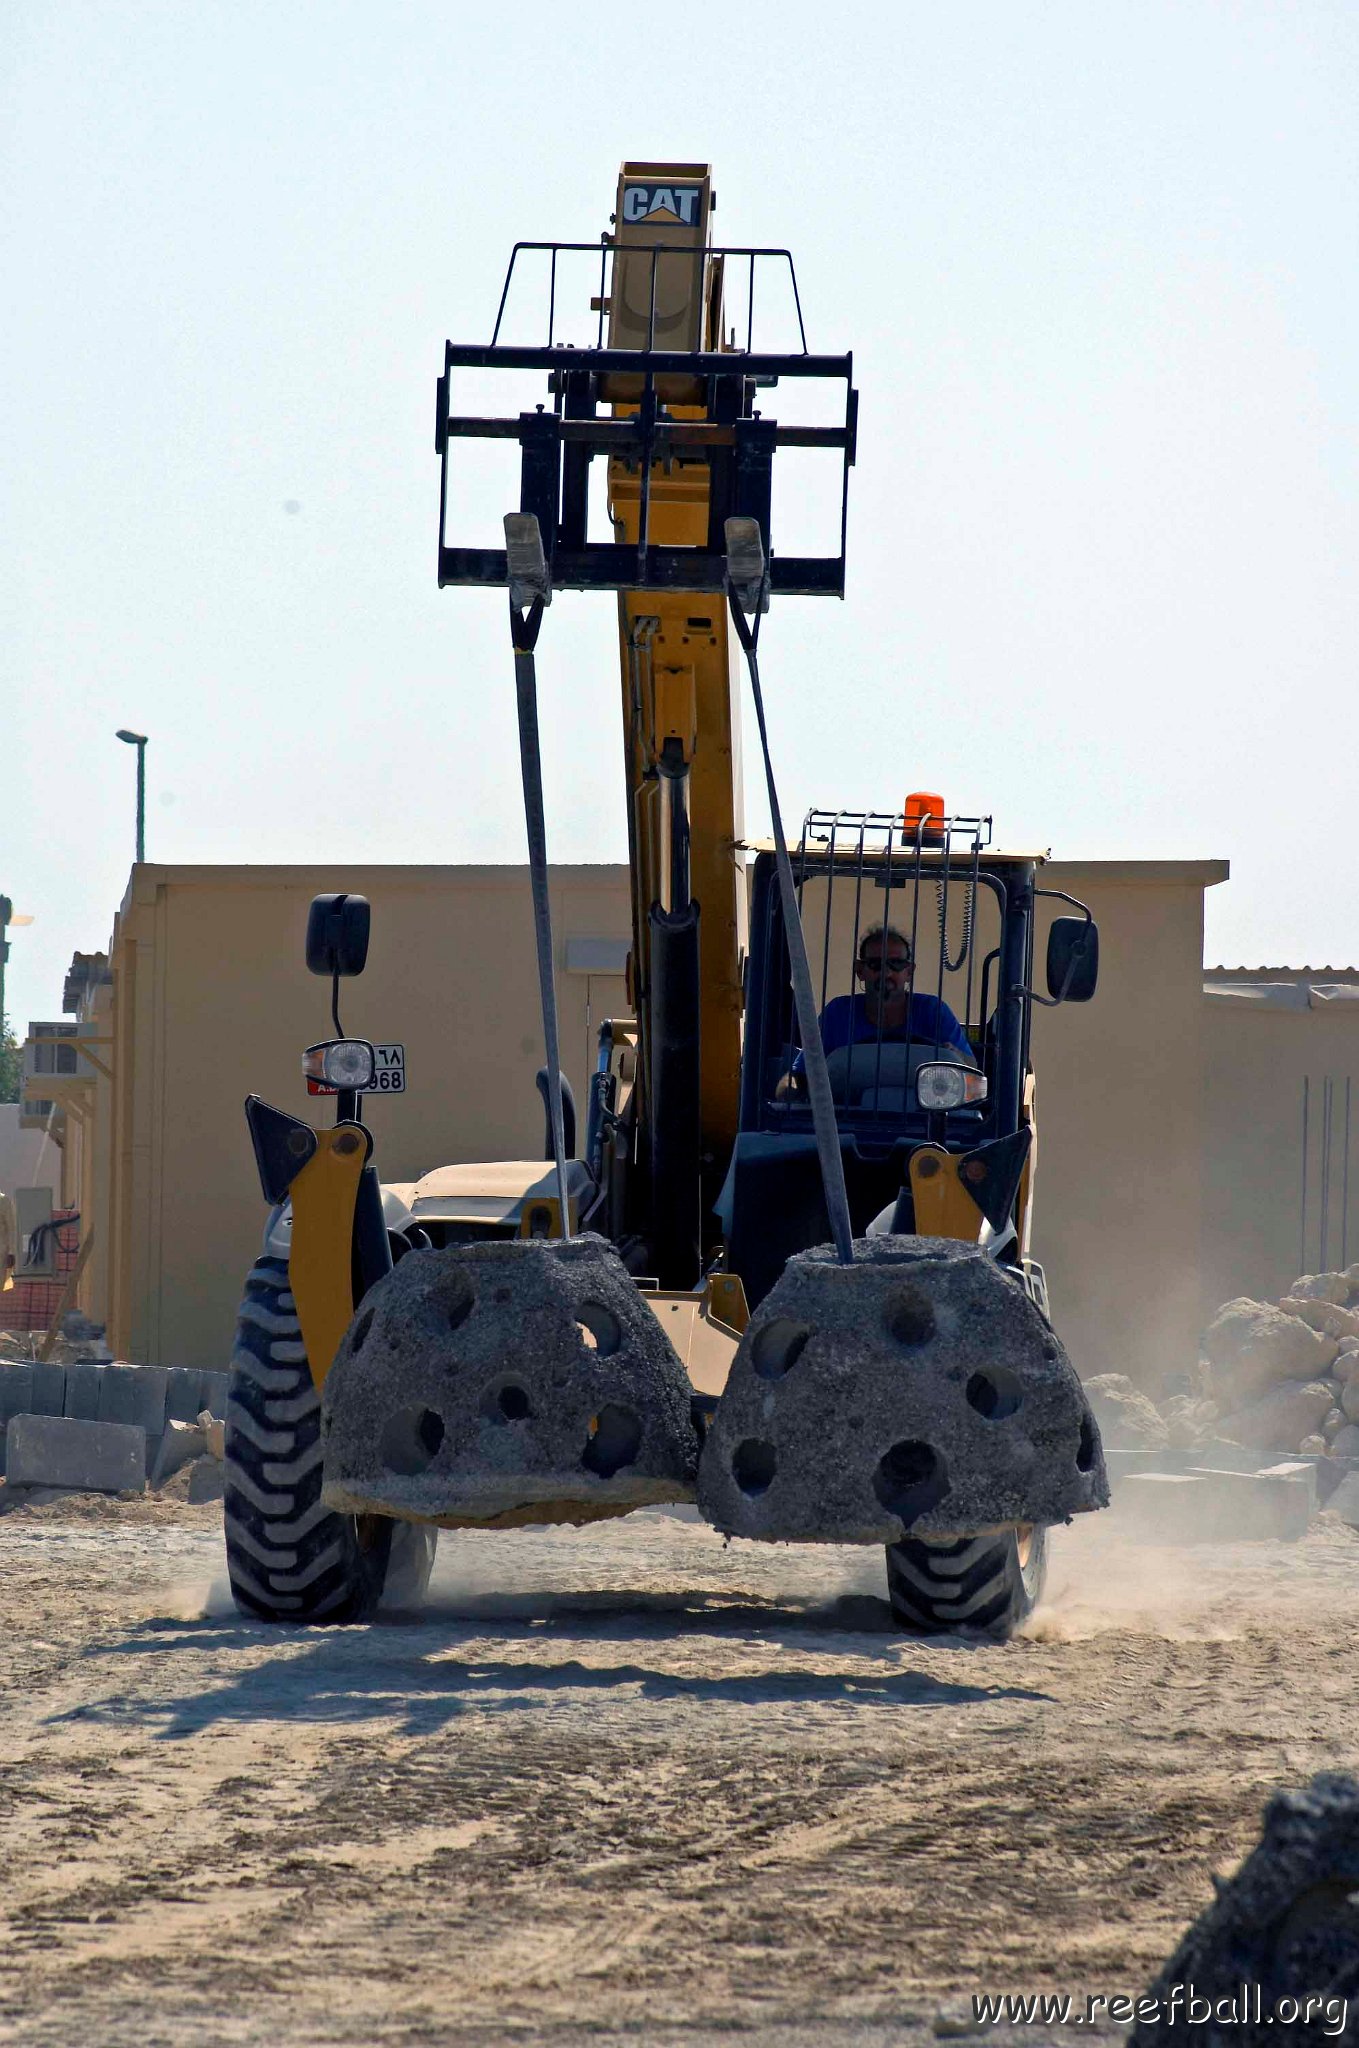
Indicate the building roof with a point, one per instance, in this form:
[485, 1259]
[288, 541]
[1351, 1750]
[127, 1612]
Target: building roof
[1284, 988]
[1197, 874]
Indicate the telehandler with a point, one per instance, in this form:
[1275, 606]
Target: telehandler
[786, 1272]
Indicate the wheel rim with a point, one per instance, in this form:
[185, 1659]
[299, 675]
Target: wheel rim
[1029, 1556]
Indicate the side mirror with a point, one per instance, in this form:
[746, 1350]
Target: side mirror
[337, 934]
[1073, 959]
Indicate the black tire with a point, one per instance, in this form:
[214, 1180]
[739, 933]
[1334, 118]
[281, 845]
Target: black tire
[290, 1558]
[985, 1583]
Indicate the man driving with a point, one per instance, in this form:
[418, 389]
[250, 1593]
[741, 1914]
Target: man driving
[885, 967]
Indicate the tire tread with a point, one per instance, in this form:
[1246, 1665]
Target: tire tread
[290, 1558]
[976, 1583]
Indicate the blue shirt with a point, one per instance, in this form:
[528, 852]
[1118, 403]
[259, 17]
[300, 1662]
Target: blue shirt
[845, 1021]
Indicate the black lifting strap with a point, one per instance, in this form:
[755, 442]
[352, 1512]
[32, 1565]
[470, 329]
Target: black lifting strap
[808, 1023]
[524, 633]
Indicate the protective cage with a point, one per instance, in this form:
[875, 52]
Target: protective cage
[964, 915]
[625, 404]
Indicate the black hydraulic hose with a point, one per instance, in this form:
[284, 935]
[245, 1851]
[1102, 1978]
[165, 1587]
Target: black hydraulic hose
[524, 633]
[809, 1026]
[568, 1112]
[37, 1239]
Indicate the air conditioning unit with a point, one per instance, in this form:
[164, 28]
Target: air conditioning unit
[49, 1049]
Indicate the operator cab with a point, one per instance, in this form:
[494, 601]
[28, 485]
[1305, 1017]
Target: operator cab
[941, 1064]
[904, 941]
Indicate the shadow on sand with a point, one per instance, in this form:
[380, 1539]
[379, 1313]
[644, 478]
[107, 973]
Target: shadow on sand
[423, 1671]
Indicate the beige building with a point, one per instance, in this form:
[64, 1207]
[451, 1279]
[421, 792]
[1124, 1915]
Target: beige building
[213, 1001]
[1121, 1120]
[1282, 1114]
[209, 1000]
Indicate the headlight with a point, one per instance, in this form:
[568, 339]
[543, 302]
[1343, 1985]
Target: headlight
[944, 1086]
[343, 1063]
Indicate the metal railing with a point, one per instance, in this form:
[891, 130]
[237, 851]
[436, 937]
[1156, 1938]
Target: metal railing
[608, 246]
[631, 403]
[922, 887]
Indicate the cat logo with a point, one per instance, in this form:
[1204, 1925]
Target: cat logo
[647, 202]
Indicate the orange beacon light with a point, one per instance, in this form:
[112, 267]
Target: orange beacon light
[923, 820]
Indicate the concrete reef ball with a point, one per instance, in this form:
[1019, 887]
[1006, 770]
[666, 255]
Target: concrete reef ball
[510, 1375]
[917, 1392]
[1283, 1931]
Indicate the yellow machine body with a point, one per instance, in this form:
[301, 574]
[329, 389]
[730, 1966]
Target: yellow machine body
[675, 655]
[320, 1260]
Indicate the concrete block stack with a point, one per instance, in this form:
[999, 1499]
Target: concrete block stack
[184, 1394]
[73, 1425]
[1207, 1505]
[89, 1457]
[16, 1394]
[83, 1392]
[48, 1389]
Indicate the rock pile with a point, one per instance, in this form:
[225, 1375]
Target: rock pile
[1128, 1419]
[1285, 1374]
[79, 1342]
[1275, 1376]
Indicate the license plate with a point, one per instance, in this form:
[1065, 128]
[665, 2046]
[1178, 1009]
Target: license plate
[390, 1078]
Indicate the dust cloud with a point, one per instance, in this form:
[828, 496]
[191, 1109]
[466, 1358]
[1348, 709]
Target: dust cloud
[1104, 1576]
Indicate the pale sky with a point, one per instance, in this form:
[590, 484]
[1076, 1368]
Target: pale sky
[1097, 263]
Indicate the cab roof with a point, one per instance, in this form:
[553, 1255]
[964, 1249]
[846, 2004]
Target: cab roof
[875, 856]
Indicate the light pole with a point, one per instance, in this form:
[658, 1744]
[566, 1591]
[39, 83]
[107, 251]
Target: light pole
[138, 740]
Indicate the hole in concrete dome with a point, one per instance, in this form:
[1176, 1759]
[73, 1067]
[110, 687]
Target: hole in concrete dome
[994, 1392]
[361, 1329]
[458, 1298]
[506, 1402]
[410, 1439]
[599, 1327]
[911, 1479]
[1085, 1450]
[753, 1465]
[615, 1439]
[778, 1347]
[910, 1317]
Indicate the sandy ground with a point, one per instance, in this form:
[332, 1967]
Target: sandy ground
[627, 1784]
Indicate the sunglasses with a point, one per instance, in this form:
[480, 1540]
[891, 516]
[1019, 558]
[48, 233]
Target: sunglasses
[899, 963]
